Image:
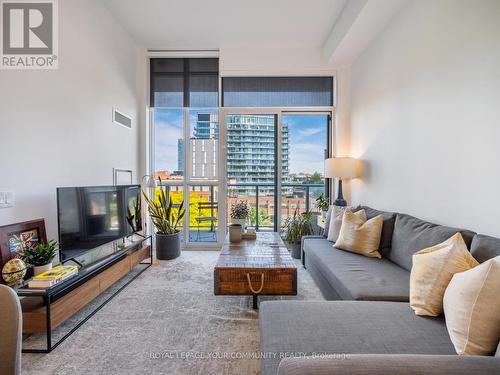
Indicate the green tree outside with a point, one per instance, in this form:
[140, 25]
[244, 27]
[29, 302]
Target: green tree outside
[264, 218]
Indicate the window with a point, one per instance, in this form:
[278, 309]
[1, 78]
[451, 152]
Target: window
[184, 101]
[305, 146]
[273, 157]
[169, 143]
[277, 91]
[184, 82]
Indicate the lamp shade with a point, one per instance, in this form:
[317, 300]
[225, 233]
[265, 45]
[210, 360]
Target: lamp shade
[343, 168]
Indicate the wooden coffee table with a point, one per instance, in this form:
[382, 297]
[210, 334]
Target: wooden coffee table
[261, 267]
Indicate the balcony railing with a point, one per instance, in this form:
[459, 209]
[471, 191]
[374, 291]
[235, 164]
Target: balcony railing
[301, 196]
[260, 197]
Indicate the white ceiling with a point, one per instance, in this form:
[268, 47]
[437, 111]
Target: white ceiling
[212, 24]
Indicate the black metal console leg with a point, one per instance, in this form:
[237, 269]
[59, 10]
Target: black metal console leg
[255, 301]
[48, 324]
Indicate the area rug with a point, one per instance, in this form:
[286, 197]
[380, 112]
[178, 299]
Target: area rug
[167, 321]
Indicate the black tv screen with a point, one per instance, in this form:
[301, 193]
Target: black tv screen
[92, 216]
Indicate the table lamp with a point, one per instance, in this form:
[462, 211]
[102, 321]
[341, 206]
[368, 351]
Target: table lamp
[342, 168]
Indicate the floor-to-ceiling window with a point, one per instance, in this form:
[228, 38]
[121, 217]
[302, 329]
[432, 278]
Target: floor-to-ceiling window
[185, 139]
[277, 131]
[264, 143]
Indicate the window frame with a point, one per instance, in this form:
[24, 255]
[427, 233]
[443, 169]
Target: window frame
[331, 82]
[221, 162]
[185, 74]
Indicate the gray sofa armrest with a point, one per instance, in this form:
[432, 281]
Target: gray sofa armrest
[383, 364]
[302, 246]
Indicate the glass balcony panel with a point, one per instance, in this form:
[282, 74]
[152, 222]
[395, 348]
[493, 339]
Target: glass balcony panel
[204, 213]
[176, 194]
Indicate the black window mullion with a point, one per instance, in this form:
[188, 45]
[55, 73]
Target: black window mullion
[151, 84]
[186, 82]
[277, 173]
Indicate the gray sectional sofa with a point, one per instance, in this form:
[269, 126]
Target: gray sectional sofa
[367, 325]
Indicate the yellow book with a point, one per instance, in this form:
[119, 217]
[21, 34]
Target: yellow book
[57, 273]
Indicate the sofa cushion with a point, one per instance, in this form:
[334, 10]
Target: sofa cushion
[359, 235]
[384, 364]
[432, 271]
[356, 277]
[336, 221]
[352, 327]
[412, 234]
[327, 221]
[484, 247]
[387, 227]
[472, 306]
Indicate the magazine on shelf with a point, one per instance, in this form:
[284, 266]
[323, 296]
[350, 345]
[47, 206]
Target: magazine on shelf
[52, 277]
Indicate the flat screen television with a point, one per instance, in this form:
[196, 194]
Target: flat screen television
[91, 216]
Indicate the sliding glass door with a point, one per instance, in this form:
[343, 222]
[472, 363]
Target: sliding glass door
[251, 166]
[274, 162]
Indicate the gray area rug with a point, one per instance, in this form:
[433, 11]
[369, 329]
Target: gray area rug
[167, 321]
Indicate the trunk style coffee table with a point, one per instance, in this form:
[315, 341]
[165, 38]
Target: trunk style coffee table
[261, 267]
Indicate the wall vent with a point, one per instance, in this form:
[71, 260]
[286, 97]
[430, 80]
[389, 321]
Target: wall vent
[122, 119]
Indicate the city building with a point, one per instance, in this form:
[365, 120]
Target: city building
[251, 152]
[204, 146]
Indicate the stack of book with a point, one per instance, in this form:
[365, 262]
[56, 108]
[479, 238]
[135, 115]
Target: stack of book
[55, 276]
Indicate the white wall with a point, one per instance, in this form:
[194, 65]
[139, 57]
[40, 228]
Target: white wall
[55, 126]
[426, 114]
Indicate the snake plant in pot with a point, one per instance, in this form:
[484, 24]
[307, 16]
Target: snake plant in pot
[166, 217]
[295, 227]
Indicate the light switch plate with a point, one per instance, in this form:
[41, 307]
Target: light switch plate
[7, 199]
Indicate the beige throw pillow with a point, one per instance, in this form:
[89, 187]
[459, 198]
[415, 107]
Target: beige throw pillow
[336, 221]
[359, 235]
[433, 269]
[472, 309]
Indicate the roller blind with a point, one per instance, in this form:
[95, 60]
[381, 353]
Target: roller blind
[184, 82]
[277, 91]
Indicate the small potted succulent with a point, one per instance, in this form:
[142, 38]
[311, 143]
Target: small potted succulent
[239, 213]
[40, 256]
[165, 218]
[323, 205]
[294, 228]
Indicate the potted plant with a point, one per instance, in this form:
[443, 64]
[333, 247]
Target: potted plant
[165, 218]
[323, 205]
[239, 213]
[40, 256]
[134, 214]
[295, 227]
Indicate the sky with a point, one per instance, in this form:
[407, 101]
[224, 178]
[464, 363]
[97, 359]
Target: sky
[307, 140]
